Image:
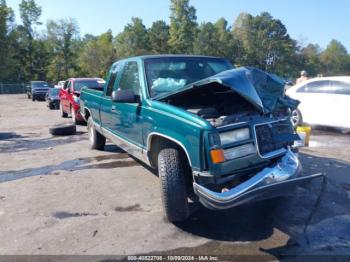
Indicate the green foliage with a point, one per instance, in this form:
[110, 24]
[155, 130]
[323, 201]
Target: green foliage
[97, 55]
[159, 37]
[59, 52]
[310, 59]
[133, 40]
[335, 59]
[183, 27]
[30, 14]
[7, 53]
[265, 43]
[63, 42]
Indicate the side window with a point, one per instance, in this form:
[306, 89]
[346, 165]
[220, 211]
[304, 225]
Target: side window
[130, 78]
[113, 76]
[65, 85]
[319, 87]
[340, 87]
[302, 89]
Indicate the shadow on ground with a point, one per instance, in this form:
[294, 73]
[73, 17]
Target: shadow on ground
[309, 227]
[18, 143]
[10, 135]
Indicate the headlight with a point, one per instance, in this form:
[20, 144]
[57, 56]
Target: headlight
[234, 136]
[76, 99]
[239, 151]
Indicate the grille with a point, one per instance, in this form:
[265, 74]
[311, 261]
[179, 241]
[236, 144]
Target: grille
[40, 90]
[269, 136]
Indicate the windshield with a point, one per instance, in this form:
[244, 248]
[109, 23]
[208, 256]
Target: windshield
[40, 85]
[167, 74]
[54, 91]
[94, 84]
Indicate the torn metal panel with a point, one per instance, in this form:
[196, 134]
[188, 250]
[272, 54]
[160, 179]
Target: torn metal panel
[263, 90]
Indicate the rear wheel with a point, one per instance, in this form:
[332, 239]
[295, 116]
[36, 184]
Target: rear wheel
[97, 141]
[171, 171]
[63, 114]
[297, 118]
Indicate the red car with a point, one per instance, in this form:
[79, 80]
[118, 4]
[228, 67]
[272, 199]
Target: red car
[70, 95]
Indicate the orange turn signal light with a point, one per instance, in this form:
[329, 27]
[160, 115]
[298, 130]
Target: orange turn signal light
[217, 156]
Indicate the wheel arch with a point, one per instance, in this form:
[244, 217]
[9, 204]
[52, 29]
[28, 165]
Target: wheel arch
[86, 113]
[157, 141]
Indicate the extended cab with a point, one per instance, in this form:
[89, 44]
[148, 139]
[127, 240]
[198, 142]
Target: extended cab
[214, 133]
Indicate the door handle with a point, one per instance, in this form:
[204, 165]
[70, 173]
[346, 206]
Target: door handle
[113, 109]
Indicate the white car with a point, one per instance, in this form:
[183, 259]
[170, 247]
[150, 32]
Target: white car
[323, 101]
[60, 84]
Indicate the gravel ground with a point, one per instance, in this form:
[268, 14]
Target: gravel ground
[58, 197]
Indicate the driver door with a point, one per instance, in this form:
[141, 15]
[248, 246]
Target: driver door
[125, 117]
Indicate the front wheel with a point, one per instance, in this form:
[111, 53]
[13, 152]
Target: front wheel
[97, 141]
[173, 186]
[297, 118]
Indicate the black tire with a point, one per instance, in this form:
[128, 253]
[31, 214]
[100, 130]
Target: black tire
[33, 98]
[171, 172]
[63, 130]
[63, 114]
[297, 118]
[97, 141]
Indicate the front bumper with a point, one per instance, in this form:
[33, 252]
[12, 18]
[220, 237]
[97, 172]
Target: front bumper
[270, 182]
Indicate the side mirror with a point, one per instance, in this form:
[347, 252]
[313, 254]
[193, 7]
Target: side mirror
[124, 96]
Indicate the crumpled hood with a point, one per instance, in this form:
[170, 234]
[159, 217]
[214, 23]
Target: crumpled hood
[265, 91]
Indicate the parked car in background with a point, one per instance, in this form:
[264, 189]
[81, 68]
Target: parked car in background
[52, 98]
[212, 132]
[323, 101]
[69, 96]
[37, 90]
[60, 84]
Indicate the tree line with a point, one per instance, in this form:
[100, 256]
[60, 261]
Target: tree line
[60, 52]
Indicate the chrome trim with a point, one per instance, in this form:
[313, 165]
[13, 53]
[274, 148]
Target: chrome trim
[127, 146]
[272, 153]
[285, 173]
[170, 138]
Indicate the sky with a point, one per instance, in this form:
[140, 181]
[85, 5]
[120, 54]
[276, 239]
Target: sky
[307, 21]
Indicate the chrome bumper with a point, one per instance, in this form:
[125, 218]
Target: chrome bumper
[269, 183]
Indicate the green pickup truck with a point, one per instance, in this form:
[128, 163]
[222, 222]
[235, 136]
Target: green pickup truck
[216, 134]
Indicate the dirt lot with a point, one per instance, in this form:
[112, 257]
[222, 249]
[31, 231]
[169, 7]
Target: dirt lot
[59, 197]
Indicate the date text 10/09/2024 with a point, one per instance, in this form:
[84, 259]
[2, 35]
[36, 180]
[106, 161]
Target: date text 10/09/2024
[172, 258]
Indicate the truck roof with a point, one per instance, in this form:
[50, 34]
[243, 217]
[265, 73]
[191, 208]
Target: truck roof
[144, 57]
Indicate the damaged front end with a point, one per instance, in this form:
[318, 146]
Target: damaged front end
[248, 154]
